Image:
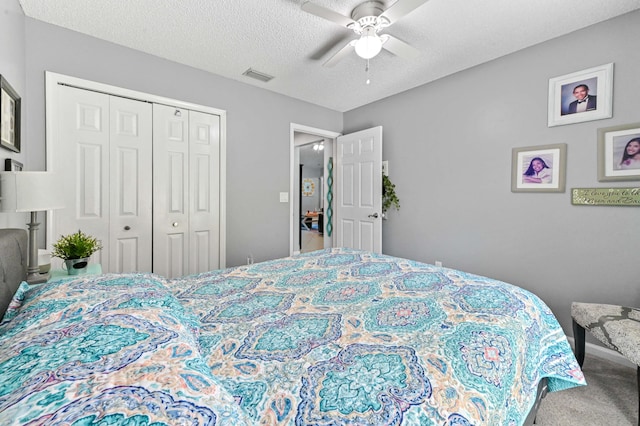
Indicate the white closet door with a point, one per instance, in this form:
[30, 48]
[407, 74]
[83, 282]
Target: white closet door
[170, 191]
[82, 158]
[204, 192]
[131, 185]
[104, 155]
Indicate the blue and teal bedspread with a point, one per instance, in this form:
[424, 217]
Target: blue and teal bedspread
[336, 337]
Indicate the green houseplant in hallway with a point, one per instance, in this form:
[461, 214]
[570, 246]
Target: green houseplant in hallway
[389, 197]
[75, 250]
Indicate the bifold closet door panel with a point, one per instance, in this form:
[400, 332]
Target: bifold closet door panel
[186, 192]
[104, 155]
[131, 193]
[204, 192]
[170, 191]
[81, 156]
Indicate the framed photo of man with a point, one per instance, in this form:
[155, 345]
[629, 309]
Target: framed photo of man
[619, 153]
[539, 168]
[585, 95]
[10, 106]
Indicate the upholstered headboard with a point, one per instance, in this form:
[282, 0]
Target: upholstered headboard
[13, 264]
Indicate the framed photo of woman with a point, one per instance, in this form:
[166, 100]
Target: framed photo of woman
[619, 153]
[539, 168]
[10, 106]
[581, 96]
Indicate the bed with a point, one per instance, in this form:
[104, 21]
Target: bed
[332, 337]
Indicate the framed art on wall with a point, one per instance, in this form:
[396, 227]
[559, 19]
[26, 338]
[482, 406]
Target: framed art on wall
[539, 168]
[308, 187]
[619, 153]
[10, 104]
[581, 96]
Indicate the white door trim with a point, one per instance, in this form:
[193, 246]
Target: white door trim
[52, 80]
[294, 222]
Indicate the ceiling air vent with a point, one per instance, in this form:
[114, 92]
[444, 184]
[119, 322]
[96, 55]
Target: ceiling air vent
[257, 75]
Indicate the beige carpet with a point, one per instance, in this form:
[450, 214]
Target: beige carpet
[311, 241]
[609, 399]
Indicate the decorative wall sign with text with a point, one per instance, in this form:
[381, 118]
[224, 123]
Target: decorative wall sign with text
[606, 196]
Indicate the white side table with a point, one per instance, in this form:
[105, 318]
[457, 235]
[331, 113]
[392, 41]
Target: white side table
[61, 274]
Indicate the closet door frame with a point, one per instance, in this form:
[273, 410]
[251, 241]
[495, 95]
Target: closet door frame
[52, 80]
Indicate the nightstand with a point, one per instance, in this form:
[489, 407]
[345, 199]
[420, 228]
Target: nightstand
[61, 274]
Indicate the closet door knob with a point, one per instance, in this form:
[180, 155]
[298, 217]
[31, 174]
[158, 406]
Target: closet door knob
[126, 228]
[174, 224]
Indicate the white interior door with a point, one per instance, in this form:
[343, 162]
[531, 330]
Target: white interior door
[359, 190]
[131, 201]
[204, 192]
[81, 156]
[104, 152]
[78, 139]
[186, 200]
[170, 191]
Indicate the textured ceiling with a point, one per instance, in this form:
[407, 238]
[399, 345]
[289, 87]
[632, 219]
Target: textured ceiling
[226, 37]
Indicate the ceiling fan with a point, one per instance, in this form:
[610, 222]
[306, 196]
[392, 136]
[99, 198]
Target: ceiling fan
[367, 20]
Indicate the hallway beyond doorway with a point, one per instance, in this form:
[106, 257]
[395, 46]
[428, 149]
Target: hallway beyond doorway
[311, 241]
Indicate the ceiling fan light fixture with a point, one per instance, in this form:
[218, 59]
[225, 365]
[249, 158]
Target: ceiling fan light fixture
[369, 44]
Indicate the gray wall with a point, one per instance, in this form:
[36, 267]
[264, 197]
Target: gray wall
[12, 68]
[449, 147]
[258, 125]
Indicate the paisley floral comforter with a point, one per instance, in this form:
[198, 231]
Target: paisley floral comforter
[334, 337]
[341, 337]
[107, 350]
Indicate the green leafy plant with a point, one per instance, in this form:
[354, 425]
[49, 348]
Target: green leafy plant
[389, 197]
[75, 246]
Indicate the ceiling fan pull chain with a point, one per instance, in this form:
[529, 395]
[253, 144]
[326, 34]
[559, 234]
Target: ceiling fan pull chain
[367, 71]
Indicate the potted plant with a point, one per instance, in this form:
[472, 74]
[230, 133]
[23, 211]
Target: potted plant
[75, 250]
[389, 197]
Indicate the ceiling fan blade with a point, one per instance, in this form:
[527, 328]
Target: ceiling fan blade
[338, 39]
[401, 8]
[345, 51]
[327, 14]
[399, 47]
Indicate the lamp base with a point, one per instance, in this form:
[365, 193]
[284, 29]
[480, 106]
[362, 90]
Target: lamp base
[37, 278]
[33, 270]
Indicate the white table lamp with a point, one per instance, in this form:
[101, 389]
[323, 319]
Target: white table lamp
[30, 192]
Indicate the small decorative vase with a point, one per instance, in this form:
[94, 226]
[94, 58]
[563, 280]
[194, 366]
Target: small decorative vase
[76, 266]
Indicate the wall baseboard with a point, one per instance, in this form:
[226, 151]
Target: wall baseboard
[606, 353]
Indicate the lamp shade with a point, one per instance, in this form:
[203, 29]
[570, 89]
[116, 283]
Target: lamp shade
[29, 191]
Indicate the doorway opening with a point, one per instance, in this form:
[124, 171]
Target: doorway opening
[310, 152]
[311, 201]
